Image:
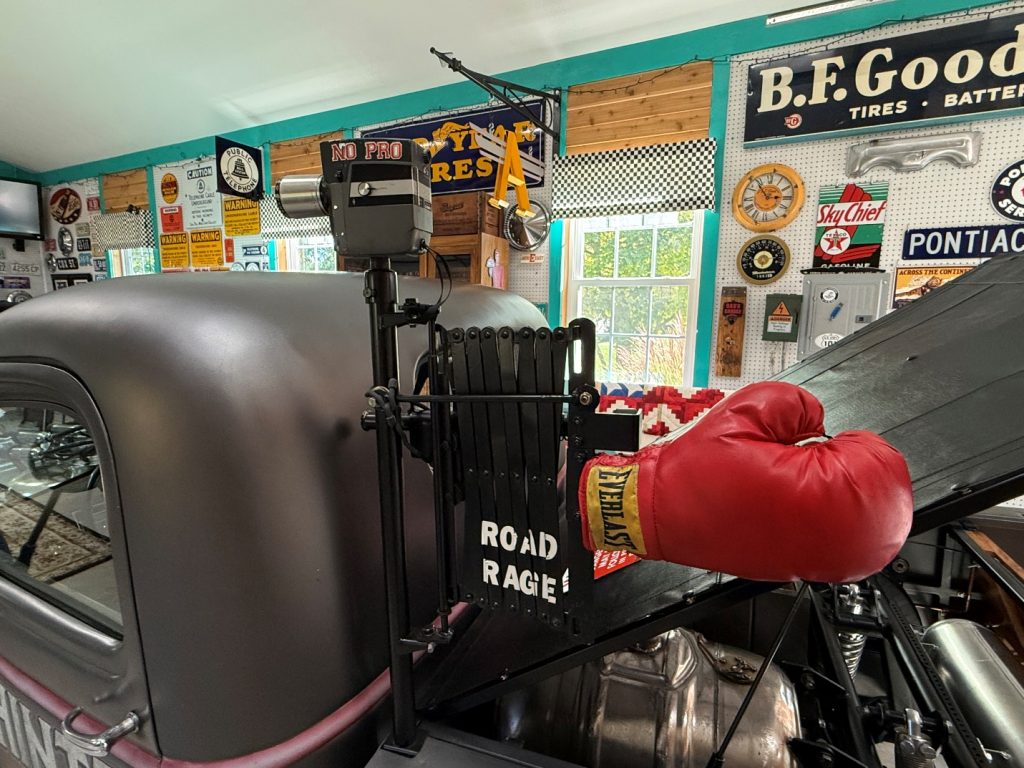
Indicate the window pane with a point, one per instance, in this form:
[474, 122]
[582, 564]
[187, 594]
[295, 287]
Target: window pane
[598, 254]
[684, 217]
[326, 261]
[632, 308]
[629, 359]
[669, 310]
[53, 518]
[635, 247]
[674, 252]
[667, 357]
[596, 303]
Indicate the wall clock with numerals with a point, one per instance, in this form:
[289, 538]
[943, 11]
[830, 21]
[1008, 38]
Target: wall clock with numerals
[768, 197]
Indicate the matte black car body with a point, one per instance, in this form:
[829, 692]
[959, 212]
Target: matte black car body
[249, 544]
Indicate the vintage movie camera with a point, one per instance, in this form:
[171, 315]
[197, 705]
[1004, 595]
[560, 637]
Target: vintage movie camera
[376, 193]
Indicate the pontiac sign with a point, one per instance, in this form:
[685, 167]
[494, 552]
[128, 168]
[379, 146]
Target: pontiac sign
[950, 73]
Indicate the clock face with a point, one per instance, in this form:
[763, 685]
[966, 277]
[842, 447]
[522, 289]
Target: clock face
[768, 198]
[763, 260]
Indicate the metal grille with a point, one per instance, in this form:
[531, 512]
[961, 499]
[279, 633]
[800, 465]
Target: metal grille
[123, 230]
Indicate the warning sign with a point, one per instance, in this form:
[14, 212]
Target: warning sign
[207, 249]
[174, 251]
[780, 320]
[241, 216]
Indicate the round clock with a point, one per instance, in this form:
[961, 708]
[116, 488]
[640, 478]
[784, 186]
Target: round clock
[763, 259]
[768, 198]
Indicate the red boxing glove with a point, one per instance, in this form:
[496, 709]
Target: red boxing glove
[736, 494]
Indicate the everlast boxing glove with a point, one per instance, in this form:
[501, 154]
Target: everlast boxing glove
[738, 493]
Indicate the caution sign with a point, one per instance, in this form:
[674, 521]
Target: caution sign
[780, 320]
[241, 216]
[174, 251]
[207, 248]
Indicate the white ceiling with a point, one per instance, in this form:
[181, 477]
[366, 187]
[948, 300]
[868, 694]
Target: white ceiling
[84, 81]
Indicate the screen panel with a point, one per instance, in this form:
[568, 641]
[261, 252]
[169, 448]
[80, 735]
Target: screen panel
[19, 209]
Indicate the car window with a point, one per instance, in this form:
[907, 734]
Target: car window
[53, 517]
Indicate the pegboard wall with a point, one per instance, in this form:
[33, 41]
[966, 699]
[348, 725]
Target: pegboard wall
[941, 195]
[529, 280]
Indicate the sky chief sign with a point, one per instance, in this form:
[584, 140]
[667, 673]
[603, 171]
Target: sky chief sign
[949, 73]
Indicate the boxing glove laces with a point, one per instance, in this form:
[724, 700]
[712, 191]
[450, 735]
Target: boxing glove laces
[747, 490]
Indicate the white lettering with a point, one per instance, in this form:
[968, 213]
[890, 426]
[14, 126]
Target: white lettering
[529, 546]
[489, 533]
[916, 241]
[1001, 65]
[953, 241]
[882, 80]
[507, 538]
[1001, 243]
[824, 78]
[934, 245]
[775, 90]
[915, 80]
[490, 572]
[963, 66]
[548, 546]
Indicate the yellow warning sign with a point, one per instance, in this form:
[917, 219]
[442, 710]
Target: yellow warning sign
[781, 311]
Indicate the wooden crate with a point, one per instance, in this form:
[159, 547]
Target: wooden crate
[468, 256]
[465, 213]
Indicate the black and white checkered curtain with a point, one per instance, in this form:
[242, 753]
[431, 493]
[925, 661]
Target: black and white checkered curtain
[655, 179]
[122, 230]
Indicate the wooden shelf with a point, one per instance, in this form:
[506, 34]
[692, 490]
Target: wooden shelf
[480, 259]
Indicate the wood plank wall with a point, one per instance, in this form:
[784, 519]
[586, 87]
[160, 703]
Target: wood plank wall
[125, 188]
[656, 107]
[297, 155]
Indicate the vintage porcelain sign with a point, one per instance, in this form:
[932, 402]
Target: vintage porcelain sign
[949, 73]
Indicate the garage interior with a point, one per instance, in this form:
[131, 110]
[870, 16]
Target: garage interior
[575, 385]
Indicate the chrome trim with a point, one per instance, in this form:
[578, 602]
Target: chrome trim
[98, 745]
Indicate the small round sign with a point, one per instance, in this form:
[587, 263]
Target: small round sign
[763, 259]
[169, 188]
[1008, 192]
[239, 170]
[65, 206]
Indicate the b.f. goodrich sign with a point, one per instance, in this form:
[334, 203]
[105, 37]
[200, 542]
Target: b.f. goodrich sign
[945, 74]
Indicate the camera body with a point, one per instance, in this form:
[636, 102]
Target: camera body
[375, 191]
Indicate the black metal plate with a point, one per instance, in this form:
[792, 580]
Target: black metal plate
[500, 652]
[942, 380]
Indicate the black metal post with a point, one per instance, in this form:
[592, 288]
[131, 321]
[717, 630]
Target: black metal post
[381, 293]
[718, 758]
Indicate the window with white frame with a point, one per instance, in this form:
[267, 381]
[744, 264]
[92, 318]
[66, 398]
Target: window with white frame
[636, 277]
[311, 254]
[125, 262]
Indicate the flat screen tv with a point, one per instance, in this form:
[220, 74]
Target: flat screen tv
[21, 214]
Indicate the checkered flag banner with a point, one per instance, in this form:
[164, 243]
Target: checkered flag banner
[275, 224]
[122, 230]
[655, 179]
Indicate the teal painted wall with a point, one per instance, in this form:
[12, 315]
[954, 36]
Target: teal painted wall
[14, 172]
[715, 43]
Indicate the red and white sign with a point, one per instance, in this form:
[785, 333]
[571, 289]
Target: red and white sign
[171, 219]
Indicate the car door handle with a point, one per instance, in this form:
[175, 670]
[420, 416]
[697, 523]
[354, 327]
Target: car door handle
[98, 745]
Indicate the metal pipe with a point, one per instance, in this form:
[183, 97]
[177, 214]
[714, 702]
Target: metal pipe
[381, 283]
[987, 683]
[718, 759]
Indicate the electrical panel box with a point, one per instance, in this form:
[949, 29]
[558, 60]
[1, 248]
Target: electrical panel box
[837, 304]
[781, 317]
